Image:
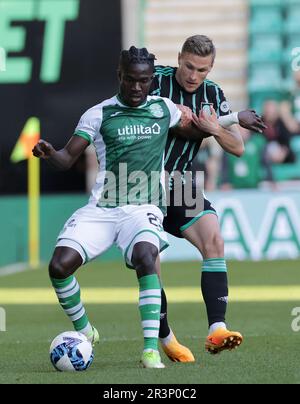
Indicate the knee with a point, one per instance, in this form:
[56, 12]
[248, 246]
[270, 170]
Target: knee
[213, 247]
[219, 243]
[144, 257]
[59, 268]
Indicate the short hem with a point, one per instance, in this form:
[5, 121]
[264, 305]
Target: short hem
[192, 221]
[70, 243]
[162, 245]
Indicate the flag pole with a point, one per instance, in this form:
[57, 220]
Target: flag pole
[34, 211]
[23, 151]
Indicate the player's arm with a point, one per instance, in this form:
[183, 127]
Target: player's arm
[247, 119]
[187, 132]
[189, 127]
[84, 134]
[64, 158]
[229, 139]
[185, 128]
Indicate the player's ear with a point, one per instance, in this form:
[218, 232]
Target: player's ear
[210, 67]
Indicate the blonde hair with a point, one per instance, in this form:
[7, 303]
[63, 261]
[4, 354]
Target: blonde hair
[199, 45]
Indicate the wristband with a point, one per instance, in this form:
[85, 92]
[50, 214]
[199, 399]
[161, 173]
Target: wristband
[228, 120]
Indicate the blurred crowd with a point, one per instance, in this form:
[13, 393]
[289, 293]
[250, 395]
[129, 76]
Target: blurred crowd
[269, 157]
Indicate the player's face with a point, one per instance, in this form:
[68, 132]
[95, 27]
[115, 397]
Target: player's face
[135, 82]
[192, 70]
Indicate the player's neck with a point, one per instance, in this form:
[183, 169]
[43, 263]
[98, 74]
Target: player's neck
[123, 102]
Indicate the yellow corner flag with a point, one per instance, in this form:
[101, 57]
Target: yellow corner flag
[29, 137]
[23, 151]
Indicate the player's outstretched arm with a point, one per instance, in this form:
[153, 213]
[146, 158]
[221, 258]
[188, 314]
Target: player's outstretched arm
[247, 119]
[64, 158]
[250, 120]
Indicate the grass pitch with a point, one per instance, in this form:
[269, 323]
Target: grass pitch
[262, 297]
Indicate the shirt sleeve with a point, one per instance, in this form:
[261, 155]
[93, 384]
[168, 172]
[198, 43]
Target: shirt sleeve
[89, 124]
[175, 113]
[223, 106]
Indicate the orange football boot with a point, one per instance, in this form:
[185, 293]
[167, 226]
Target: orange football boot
[177, 352]
[222, 339]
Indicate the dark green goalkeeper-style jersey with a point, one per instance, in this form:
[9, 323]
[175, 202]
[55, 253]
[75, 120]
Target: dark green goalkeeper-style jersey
[179, 153]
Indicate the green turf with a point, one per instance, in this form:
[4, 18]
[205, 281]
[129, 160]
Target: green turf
[268, 355]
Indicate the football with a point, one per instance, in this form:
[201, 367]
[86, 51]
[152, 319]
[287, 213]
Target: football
[71, 351]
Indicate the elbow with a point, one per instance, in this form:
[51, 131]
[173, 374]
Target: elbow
[67, 163]
[65, 166]
[239, 151]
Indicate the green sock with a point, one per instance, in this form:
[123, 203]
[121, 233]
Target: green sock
[68, 293]
[149, 306]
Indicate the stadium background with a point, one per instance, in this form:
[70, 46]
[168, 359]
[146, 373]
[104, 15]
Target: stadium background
[59, 64]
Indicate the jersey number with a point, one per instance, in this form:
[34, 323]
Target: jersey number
[154, 220]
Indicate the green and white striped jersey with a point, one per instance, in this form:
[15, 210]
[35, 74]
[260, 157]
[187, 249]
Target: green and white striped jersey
[130, 144]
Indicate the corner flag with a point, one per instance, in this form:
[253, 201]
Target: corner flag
[23, 151]
[29, 137]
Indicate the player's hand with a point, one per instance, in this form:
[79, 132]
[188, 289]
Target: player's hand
[43, 149]
[186, 115]
[207, 122]
[249, 119]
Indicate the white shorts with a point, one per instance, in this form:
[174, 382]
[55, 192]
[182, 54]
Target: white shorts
[91, 230]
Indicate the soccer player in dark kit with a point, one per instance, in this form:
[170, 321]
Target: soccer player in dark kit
[188, 85]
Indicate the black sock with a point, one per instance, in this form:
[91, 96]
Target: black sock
[214, 287]
[164, 329]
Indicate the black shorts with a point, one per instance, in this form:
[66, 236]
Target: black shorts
[177, 221]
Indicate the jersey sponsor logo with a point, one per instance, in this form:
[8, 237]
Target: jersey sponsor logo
[130, 130]
[224, 107]
[156, 110]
